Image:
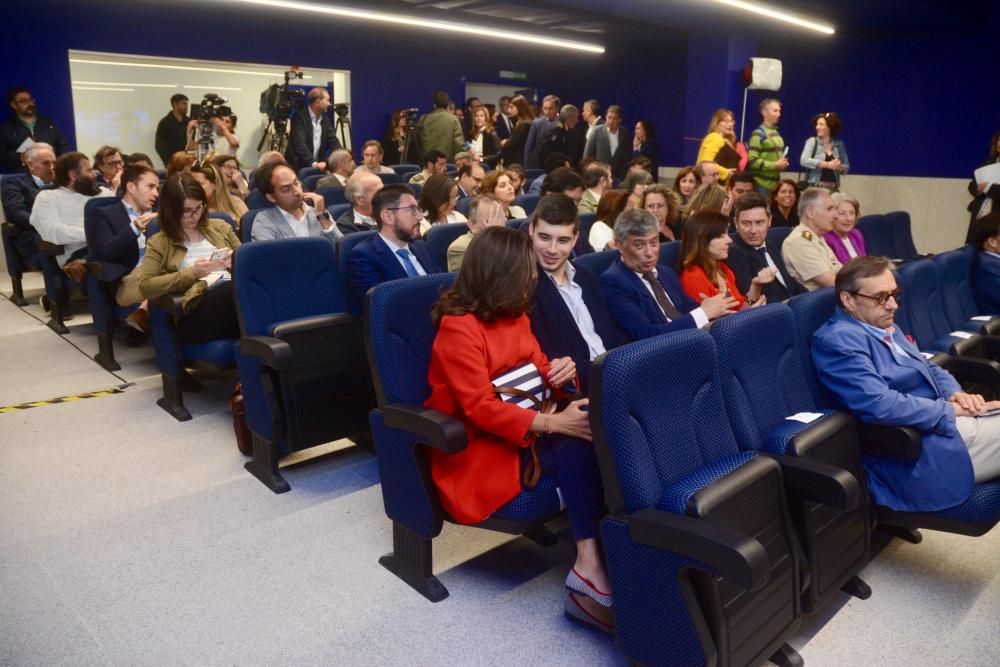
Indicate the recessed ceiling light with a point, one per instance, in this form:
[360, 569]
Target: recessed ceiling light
[110, 90]
[186, 68]
[448, 26]
[764, 10]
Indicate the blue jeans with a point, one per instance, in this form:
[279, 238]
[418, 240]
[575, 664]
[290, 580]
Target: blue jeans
[573, 462]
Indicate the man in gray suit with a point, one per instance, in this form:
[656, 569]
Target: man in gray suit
[611, 143]
[360, 191]
[295, 213]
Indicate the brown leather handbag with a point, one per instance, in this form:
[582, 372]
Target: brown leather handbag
[244, 441]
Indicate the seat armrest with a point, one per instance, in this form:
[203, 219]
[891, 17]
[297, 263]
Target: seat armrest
[314, 323]
[834, 425]
[51, 249]
[978, 370]
[819, 482]
[433, 428]
[897, 442]
[170, 303]
[734, 556]
[990, 346]
[272, 352]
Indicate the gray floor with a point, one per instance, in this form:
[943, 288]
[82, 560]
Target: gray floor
[131, 539]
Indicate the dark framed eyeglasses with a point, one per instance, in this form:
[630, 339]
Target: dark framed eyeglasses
[883, 298]
[415, 210]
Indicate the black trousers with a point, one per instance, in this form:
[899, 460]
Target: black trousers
[214, 317]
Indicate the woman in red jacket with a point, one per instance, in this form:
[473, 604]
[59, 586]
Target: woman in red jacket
[704, 249]
[483, 334]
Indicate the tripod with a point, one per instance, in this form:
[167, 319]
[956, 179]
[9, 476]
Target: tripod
[206, 139]
[408, 141]
[344, 125]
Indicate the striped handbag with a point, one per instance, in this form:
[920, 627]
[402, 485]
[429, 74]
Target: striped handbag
[524, 387]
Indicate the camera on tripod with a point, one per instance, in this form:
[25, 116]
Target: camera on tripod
[278, 102]
[212, 106]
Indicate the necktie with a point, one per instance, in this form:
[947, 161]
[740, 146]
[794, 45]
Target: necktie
[411, 270]
[767, 262]
[661, 297]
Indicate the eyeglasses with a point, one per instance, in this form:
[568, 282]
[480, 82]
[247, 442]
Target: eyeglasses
[415, 210]
[883, 298]
[193, 212]
[25, 100]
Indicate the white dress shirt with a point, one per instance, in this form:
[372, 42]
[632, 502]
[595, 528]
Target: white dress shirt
[317, 124]
[700, 318]
[572, 295]
[300, 227]
[413, 258]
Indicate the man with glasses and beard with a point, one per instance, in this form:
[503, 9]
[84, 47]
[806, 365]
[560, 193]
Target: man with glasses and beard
[57, 215]
[876, 373]
[394, 252]
[25, 127]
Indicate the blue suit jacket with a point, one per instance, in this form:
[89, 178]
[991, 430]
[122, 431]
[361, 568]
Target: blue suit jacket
[18, 196]
[987, 282]
[111, 241]
[556, 330]
[634, 308]
[371, 263]
[866, 379]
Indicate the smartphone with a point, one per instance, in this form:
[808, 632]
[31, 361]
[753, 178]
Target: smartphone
[220, 254]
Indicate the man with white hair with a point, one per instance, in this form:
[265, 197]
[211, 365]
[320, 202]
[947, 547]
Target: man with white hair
[808, 257]
[19, 192]
[360, 190]
[341, 166]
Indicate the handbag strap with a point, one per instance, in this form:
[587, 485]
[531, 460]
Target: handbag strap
[532, 471]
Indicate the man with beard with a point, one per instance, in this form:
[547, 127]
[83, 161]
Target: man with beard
[394, 252]
[57, 215]
[295, 213]
[25, 127]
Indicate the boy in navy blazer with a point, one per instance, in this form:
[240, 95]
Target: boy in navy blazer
[394, 252]
[570, 317]
[645, 299]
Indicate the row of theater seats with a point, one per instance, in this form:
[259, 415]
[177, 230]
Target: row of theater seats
[727, 519]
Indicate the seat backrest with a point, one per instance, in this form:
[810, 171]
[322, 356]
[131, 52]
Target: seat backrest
[761, 370]
[333, 196]
[390, 179]
[777, 235]
[527, 202]
[417, 189]
[659, 410]
[670, 253]
[306, 172]
[955, 276]
[280, 280]
[246, 223]
[88, 213]
[399, 334]
[811, 311]
[586, 222]
[225, 217]
[309, 182]
[439, 237]
[597, 262]
[532, 174]
[405, 166]
[338, 210]
[900, 231]
[463, 206]
[345, 245]
[873, 227]
[922, 301]
[256, 199]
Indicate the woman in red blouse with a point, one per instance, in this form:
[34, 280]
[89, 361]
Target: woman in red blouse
[484, 332]
[704, 248]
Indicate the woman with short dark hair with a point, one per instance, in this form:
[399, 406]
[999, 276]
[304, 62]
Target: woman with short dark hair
[512, 149]
[644, 144]
[985, 195]
[824, 157]
[437, 200]
[484, 336]
[784, 204]
[191, 256]
[703, 271]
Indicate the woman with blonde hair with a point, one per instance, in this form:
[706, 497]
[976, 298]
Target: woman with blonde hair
[215, 187]
[499, 185]
[720, 145]
[709, 197]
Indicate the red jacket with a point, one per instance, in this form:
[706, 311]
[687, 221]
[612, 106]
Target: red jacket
[695, 282]
[467, 352]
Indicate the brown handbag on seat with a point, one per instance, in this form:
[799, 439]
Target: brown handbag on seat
[244, 440]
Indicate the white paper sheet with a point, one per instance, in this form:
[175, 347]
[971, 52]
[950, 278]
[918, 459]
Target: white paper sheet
[988, 174]
[805, 417]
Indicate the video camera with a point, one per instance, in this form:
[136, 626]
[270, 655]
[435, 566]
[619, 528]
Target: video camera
[212, 106]
[278, 102]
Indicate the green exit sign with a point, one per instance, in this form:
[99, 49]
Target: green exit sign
[507, 74]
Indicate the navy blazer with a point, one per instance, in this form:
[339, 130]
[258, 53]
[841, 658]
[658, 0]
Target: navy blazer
[987, 282]
[371, 263]
[18, 193]
[556, 330]
[111, 241]
[300, 144]
[633, 307]
[867, 379]
[746, 262]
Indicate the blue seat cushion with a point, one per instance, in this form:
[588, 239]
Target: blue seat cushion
[538, 503]
[676, 496]
[215, 351]
[776, 442]
[983, 506]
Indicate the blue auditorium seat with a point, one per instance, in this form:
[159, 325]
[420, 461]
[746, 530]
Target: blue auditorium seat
[306, 172]
[776, 236]
[763, 384]
[439, 237]
[463, 206]
[309, 182]
[103, 307]
[246, 224]
[405, 166]
[597, 262]
[527, 202]
[333, 196]
[699, 542]
[256, 200]
[300, 357]
[976, 516]
[398, 335]
[670, 255]
[344, 247]
[875, 230]
[900, 233]
[16, 266]
[960, 307]
[390, 179]
[532, 174]
[586, 222]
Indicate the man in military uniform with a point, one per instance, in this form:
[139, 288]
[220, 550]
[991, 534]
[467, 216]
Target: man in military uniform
[808, 258]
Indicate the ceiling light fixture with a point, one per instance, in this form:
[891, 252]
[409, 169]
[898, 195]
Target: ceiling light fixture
[210, 88]
[114, 83]
[411, 21]
[110, 90]
[763, 10]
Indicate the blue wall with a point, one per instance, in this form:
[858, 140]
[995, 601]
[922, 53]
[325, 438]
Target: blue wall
[390, 67]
